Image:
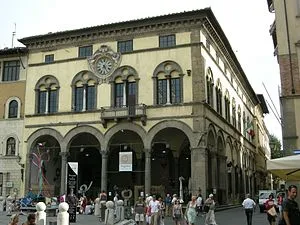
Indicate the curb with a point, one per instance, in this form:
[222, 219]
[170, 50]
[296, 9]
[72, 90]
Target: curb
[222, 208]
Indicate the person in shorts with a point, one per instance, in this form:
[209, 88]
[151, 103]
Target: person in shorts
[139, 210]
[177, 213]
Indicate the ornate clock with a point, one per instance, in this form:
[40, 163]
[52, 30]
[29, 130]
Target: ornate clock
[104, 62]
[104, 65]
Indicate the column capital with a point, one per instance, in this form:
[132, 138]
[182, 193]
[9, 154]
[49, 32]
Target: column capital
[103, 153]
[64, 154]
[147, 152]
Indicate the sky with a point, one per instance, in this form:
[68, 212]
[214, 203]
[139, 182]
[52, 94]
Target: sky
[245, 23]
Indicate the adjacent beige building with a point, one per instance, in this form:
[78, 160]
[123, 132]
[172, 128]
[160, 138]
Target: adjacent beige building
[286, 39]
[13, 63]
[166, 95]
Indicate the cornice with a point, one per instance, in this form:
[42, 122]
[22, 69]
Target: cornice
[217, 34]
[117, 31]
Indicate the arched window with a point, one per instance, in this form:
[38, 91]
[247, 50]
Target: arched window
[11, 146]
[13, 109]
[125, 88]
[209, 88]
[219, 97]
[227, 106]
[84, 92]
[244, 123]
[47, 95]
[233, 112]
[168, 83]
[239, 119]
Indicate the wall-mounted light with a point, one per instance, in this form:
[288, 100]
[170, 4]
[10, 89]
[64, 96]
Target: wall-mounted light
[189, 72]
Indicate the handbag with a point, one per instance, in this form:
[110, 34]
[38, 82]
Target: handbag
[272, 211]
[206, 208]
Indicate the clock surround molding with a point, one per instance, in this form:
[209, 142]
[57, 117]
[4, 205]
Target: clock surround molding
[104, 62]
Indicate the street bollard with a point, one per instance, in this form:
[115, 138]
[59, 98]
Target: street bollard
[120, 211]
[97, 207]
[63, 215]
[109, 213]
[40, 213]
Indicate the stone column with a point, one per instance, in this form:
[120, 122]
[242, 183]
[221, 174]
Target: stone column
[168, 89]
[147, 171]
[222, 175]
[124, 94]
[84, 97]
[28, 171]
[233, 182]
[63, 178]
[199, 170]
[104, 156]
[214, 169]
[47, 100]
[138, 168]
[176, 172]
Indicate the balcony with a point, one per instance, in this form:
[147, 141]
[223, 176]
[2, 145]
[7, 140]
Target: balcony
[124, 112]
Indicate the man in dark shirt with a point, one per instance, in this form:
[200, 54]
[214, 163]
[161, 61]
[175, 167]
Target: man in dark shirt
[139, 209]
[291, 214]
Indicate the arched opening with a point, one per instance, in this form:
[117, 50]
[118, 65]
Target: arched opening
[171, 159]
[84, 149]
[126, 163]
[45, 166]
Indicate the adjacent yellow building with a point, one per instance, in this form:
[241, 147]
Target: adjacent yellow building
[13, 64]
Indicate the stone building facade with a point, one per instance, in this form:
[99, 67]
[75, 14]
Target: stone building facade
[286, 39]
[168, 92]
[13, 63]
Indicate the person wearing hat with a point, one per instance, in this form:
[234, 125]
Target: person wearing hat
[210, 215]
[14, 219]
[174, 199]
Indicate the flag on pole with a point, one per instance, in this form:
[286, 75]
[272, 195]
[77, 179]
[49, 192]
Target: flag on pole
[249, 129]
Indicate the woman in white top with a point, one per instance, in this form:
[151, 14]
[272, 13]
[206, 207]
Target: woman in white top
[210, 216]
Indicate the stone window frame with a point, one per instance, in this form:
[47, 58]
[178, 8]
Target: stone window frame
[49, 58]
[125, 46]
[17, 141]
[85, 51]
[234, 112]
[9, 100]
[14, 70]
[85, 78]
[167, 41]
[227, 105]
[48, 82]
[125, 72]
[167, 68]
[209, 87]
[219, 94]
[239, 121]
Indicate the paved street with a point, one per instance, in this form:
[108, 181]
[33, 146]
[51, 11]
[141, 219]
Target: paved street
[227, 217]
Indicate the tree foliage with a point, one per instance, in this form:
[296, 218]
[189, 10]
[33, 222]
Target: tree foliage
[275, 146]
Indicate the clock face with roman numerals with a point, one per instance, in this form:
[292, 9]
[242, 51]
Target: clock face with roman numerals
[104, 66]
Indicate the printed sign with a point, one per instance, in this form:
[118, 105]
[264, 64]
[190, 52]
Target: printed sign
[125, 161]
[72, 190]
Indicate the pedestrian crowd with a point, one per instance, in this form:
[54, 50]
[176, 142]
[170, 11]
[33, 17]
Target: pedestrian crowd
[281, 212]
[153, 210]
